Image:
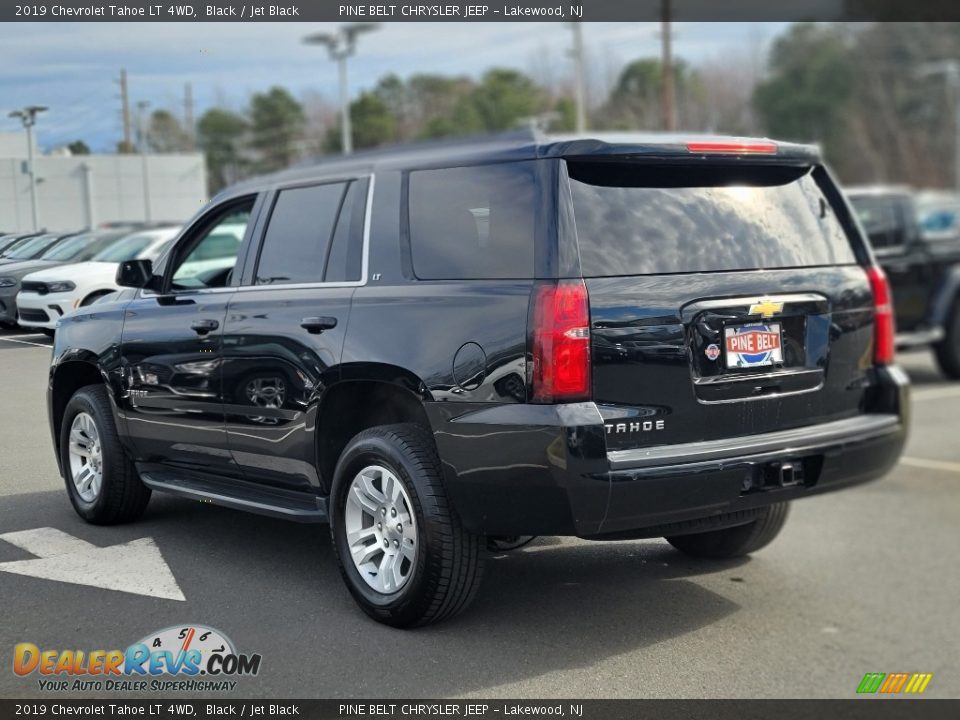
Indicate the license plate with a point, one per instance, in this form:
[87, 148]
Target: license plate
[753, 345]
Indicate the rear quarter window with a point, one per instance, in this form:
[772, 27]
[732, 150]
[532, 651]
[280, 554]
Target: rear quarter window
[635, 219]
[473, 222]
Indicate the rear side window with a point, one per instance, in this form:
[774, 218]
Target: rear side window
[304, 235]
[473, 222]
[637, 219]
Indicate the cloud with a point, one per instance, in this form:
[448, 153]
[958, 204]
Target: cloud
[73, 67]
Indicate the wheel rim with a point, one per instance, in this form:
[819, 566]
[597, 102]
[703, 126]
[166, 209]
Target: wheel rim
[381, 529]
[266, 392]
[86, 457]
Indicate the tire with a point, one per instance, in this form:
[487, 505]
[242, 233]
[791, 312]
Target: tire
[947, 351]
[447, 564]
[122, 497]
[506, 543]
[734, 541]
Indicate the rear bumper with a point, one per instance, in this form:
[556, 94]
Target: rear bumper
[545, 469]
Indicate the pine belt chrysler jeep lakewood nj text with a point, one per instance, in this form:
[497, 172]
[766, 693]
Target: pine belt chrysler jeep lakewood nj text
[445, 348]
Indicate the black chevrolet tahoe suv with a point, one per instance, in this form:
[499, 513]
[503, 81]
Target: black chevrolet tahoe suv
[445, 348]
[923, 267]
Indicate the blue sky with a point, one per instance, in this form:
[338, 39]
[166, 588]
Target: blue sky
[73, 68]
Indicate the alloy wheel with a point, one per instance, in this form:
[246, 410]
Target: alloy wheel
[86, 457]
[381, 529]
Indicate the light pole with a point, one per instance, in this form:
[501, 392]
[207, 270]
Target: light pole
[579, 92]
[668, 100]
[28, 116]
[341, 45]
[950, 69]
[144, 169]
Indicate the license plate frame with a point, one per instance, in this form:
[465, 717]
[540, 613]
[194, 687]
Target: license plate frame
[752, 345]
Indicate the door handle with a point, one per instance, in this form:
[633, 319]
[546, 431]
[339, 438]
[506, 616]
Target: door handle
[316, 325]
[202, 327]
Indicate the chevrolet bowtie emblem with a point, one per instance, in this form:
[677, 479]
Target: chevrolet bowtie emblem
[766, 308]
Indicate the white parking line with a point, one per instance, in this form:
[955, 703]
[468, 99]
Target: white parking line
[931, 464]
[24, 342]
[937, 393]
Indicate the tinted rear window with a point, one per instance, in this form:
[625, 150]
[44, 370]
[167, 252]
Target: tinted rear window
[473, 222]
[299, 231]
[645, 219]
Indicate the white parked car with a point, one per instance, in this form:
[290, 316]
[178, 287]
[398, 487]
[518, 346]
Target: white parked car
[216, 254]
[48, 295]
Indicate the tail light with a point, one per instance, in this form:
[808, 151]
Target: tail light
[883, 333]
[561, 342]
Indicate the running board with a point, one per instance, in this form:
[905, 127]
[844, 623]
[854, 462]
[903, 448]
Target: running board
[239, 495]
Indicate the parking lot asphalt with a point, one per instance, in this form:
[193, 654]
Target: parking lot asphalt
[859, 581]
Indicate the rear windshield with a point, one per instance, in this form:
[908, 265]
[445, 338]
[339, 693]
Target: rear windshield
[646, 219]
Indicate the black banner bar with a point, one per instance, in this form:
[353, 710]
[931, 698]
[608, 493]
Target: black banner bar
[873, 708]
[477, 10]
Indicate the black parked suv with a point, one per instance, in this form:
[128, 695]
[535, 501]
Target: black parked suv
[920, 254]
[440, 347]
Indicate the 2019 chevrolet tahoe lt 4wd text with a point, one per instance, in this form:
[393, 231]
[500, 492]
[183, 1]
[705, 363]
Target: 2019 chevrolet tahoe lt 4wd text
[442, 347]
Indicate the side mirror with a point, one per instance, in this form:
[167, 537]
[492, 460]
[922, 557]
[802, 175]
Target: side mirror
[135, 274]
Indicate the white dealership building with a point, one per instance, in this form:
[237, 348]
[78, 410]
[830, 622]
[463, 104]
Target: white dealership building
[84, 191]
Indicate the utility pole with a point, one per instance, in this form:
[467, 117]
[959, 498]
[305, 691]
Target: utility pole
[669, 115]
[950, 69]
[28, 116]
[341, 45]
[579, 91]
[188, 114]
[125, 110]
[346, 128]
[145, 170]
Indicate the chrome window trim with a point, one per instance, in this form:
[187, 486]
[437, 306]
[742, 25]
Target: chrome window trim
[364, 255]
[145, 293]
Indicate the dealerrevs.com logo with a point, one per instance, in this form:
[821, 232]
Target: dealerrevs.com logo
[189, 658]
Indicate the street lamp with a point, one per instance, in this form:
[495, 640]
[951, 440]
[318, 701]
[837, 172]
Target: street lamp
[950, 69]
[341, 45]
[28, 116]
